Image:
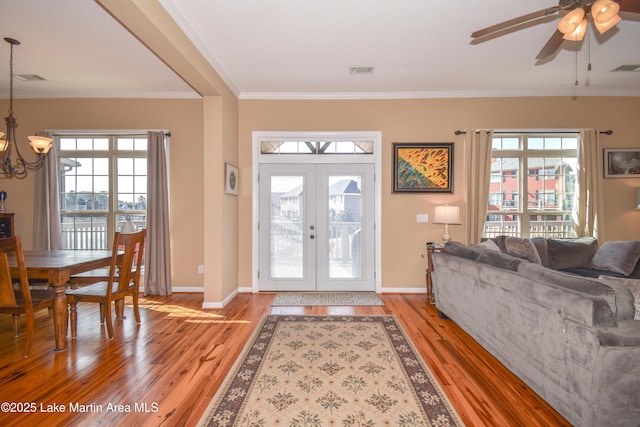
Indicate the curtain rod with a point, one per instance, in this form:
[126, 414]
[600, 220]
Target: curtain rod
[604, 132]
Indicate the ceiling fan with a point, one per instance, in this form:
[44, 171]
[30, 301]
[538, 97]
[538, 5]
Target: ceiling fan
[573, 25]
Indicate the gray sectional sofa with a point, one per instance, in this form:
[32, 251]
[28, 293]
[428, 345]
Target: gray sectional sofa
[558, 313]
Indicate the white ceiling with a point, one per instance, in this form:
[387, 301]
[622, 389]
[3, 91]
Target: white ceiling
[304, 49]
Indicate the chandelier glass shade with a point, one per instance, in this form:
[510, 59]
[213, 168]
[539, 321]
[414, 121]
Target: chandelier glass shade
[41, 145]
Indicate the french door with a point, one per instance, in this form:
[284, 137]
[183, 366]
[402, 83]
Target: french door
[316, 227]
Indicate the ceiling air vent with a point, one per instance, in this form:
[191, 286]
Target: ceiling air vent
[29, 77]
[632, 67]
[361, 70]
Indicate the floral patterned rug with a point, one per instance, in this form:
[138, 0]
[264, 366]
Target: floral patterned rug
[317, 371]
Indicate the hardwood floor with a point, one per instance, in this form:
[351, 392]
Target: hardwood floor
[165, 371]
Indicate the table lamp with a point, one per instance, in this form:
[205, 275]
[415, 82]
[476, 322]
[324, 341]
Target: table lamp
[446, 214]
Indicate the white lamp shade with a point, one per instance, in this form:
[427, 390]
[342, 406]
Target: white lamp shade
[446, 214]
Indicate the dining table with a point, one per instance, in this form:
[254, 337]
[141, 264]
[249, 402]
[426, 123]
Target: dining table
[56, 267]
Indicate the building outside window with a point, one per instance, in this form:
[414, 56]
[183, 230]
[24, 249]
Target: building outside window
[103, 188]
[541, 166]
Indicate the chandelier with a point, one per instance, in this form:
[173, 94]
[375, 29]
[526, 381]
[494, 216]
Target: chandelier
[40, 144]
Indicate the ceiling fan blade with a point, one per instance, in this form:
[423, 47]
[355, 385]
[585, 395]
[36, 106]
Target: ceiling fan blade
[552, 45]
[632, 6]
[515, 21]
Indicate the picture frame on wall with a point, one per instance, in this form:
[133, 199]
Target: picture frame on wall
[622, 162]
[231, 179]
[423, 167]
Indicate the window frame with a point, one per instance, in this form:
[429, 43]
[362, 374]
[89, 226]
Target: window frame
[112, 154]
[523, 153]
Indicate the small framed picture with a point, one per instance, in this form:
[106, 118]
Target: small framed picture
[622, 162]
[231, 180]
[423, 167]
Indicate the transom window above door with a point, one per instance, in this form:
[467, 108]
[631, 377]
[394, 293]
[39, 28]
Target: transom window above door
[316, 147]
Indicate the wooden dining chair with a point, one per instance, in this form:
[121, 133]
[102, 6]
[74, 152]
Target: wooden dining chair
[19, 299]
[122, 280]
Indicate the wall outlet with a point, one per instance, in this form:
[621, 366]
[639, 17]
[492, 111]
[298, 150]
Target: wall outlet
[422, 218]
[200, 269]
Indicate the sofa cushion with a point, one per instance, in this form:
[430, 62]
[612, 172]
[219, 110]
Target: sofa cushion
[571, 253]
[522, 248]
[583, 285]
[626, 334]
[460, 249]
[589, 272]
[619, 256]
[499, 240]
[627, 295]
[500, 260]
[543, 249]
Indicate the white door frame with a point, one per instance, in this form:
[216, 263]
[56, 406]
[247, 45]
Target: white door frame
[376, 158]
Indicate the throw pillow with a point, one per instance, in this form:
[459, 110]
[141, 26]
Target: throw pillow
[490, 245]
[460, 249]
[632, 285]
[522, 248]
[619, 256]
[571, 253]
[500, 260]
[543, 250]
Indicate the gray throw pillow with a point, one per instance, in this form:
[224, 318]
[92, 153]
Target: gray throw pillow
[619, 256]
[522, 248]
[460, 249]
[500, 260]
[571, 253]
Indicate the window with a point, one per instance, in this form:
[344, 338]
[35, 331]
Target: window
[316, 147]
[103, 188]
[541, 167]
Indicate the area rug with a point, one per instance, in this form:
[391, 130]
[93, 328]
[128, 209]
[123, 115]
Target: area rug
[326, 298]
[330, 371]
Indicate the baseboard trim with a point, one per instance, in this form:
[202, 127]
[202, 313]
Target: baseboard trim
[215, 304]
[404, 290]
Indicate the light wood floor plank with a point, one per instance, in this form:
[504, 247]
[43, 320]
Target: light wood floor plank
[178, 357]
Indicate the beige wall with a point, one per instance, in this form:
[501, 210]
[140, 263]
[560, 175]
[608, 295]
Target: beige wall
[435, 120]
[184, 118]
[212, 129]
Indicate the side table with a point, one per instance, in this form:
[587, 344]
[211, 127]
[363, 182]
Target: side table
[431, 248]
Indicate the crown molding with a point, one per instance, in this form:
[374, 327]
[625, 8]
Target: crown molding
[439, 94]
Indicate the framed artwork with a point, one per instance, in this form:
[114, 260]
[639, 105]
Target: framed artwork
[423, 167]
[622, 162]
[231, 180]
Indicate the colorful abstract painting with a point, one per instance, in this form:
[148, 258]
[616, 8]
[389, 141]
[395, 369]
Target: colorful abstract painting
[423, 167]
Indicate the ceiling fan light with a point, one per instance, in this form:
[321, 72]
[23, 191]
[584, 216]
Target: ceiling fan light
[604, 11]
[571, 21]
[606, 26]
[579, 32]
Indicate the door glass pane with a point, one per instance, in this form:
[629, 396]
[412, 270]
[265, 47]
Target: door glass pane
[344, 218]
[287, 222]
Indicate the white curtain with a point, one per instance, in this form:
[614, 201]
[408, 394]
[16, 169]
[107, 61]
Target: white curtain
[157, 271]
[477, 165]
[47, 232]
[587, 203]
